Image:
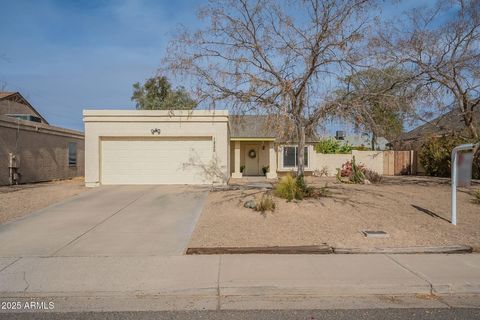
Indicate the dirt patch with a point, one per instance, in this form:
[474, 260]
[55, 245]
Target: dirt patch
[414, 211]
[18, 201]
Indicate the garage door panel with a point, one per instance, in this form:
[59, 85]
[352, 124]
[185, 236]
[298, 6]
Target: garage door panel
[156, 161]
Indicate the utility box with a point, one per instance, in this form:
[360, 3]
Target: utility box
[13, 165]
[13, 161]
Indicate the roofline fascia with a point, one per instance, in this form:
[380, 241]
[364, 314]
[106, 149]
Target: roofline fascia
[252, 139]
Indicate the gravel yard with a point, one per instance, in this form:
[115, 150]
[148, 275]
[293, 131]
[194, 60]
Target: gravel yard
[18, 201]
[414, 211]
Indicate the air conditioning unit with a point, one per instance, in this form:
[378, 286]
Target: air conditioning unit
[340, 135]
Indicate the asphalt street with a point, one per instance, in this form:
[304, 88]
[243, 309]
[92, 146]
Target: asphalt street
[371, 314]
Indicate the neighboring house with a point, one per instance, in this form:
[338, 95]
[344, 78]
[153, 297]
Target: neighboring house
[185, 147]
[31, 150]
[447, 124]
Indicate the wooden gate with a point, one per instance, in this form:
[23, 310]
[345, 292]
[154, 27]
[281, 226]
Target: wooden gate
[399, 163]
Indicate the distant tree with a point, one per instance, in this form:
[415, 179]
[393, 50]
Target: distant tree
[440, 44]
[378, 100]
[157, 94]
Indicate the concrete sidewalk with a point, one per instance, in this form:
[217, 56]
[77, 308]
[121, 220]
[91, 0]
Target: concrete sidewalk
[242, 281]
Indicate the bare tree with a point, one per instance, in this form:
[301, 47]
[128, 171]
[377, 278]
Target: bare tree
[441, 45]
[278, 59]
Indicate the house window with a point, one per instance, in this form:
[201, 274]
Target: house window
[290, 157]
[72, 154]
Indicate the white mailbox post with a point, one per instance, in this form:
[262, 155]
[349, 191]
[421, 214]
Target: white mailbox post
[468, 149]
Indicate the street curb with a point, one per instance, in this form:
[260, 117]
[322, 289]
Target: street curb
[126, 303]
[326, 249]
[407, 250]
[315, 249]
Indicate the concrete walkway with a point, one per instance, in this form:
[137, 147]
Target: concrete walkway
[109, 221]
[243, 281]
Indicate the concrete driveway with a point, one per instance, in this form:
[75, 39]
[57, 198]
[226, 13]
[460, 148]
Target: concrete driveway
[109, 221]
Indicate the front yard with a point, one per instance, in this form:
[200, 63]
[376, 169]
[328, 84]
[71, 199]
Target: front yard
[20, 200]
[414, 211]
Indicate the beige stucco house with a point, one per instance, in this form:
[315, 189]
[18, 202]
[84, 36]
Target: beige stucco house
[32, 150]
[183, 147]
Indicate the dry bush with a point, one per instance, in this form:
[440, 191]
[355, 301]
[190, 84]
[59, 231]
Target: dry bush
[372, 176]
[293, 188]
[286, 188]
[266, 203]
[321, 192]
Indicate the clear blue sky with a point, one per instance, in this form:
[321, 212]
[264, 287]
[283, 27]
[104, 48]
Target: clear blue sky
[65, 56]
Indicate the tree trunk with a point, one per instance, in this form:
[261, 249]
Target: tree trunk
[374, 140]
[300, 150]
[472, 129]
[468, 118]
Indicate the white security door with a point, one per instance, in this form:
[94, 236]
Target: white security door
[156, 160]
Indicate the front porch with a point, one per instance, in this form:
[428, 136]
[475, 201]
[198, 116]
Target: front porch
[251, 157]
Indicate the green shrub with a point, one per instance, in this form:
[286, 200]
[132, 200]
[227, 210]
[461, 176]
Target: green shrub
[293, 188]
[266, 203]
[287, 188]
[326, 146]
[330, 146]
[265, 170]
[303, 191]
[345, 148]
[361, 148]
[435, 156]
[476, 196]
[301, 187]
[357, 173]
[242, 168]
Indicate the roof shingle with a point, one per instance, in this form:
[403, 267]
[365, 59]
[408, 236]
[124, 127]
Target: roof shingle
[264, 126]
[445, 124]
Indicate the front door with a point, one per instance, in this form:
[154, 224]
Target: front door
[251, 160]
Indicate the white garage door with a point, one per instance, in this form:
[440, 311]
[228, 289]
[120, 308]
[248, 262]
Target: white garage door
[156, 161]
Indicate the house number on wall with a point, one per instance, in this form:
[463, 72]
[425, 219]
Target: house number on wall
[156, 130]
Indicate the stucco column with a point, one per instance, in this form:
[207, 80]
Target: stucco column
[272, 160]
[236, 161]
[92, 156]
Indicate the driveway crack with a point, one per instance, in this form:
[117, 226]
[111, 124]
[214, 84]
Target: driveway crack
[412, 272]
[25, 279]
[432, 293]
[8, 265]
[101, 222]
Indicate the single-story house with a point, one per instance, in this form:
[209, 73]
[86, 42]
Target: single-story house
[31, 150]
[185, 147]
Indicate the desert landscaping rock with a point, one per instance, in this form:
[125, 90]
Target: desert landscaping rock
[260, 185]
[249, 204]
